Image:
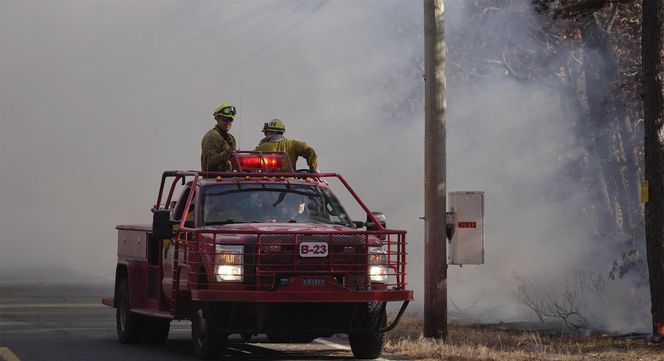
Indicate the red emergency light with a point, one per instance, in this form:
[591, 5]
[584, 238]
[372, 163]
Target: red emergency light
[265, 162]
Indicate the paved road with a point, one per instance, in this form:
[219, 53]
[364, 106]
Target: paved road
[41, 321]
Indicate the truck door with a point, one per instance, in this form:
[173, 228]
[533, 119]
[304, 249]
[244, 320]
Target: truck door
[167, 253]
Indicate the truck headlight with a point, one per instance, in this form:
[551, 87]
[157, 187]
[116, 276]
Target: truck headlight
[229, 263]
[377, 264]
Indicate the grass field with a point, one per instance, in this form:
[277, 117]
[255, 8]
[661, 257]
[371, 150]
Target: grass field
[484, 343]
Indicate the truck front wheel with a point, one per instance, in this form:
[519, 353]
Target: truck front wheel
[208, 340]
[127, 323]
[368, 344]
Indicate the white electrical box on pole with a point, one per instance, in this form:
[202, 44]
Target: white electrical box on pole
[466, 228]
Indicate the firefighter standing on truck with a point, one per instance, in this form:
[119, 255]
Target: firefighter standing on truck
[218, 144]
[275, 141]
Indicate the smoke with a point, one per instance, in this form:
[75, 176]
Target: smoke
[515, 139]
[98, 98]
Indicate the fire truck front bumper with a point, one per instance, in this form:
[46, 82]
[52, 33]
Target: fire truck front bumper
[283, 295]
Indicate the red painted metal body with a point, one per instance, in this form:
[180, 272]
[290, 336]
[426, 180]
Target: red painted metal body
[167, 275]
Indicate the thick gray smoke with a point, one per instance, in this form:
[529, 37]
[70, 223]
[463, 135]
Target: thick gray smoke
[515, 140]
[98, 98]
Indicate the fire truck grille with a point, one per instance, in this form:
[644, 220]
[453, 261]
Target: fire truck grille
[340, 259]
[268, 261]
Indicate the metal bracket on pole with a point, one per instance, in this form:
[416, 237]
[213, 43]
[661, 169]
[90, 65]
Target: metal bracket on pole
[450, 224]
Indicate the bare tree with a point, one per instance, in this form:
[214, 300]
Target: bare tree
[570, 308]
[653, 103]
[528, 295]
[571, 305]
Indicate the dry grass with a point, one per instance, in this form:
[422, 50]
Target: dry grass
[483, 343]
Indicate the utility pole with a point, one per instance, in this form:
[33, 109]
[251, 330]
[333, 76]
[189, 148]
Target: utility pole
[435, 184]
[653, 101]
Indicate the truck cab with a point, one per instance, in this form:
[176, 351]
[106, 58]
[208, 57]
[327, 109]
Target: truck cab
[258, 250]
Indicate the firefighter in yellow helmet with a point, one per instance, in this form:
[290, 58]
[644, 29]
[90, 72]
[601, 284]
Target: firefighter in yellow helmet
[275, 141]
[218, 144]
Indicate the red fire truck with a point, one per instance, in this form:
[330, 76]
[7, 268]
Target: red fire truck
[262, 249]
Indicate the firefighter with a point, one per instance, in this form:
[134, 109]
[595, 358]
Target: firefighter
[291, 207]
[218, 144]
[295, 209]
[275, 141]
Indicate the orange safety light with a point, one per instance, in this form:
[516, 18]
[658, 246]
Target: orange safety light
[269, 162]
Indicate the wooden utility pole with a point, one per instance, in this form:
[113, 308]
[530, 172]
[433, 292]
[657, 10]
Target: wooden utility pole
[435, 185]
[652, 54]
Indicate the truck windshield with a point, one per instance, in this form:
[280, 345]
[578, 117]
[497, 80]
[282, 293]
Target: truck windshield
[270, 203]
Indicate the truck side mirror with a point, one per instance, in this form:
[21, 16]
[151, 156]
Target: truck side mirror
[380, 217]
[162, 226]
[371, 226]
[359, 224]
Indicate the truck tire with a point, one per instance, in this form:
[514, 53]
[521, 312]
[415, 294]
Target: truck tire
[369, 344]
[127, 323]
[156, 330]
[208, 341]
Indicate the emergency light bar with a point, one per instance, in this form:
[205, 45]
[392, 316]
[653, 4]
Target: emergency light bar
[259, 161]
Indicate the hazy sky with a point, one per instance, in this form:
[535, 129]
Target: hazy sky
[97, 98]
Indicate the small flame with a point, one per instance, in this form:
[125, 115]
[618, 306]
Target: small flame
[659, 325]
